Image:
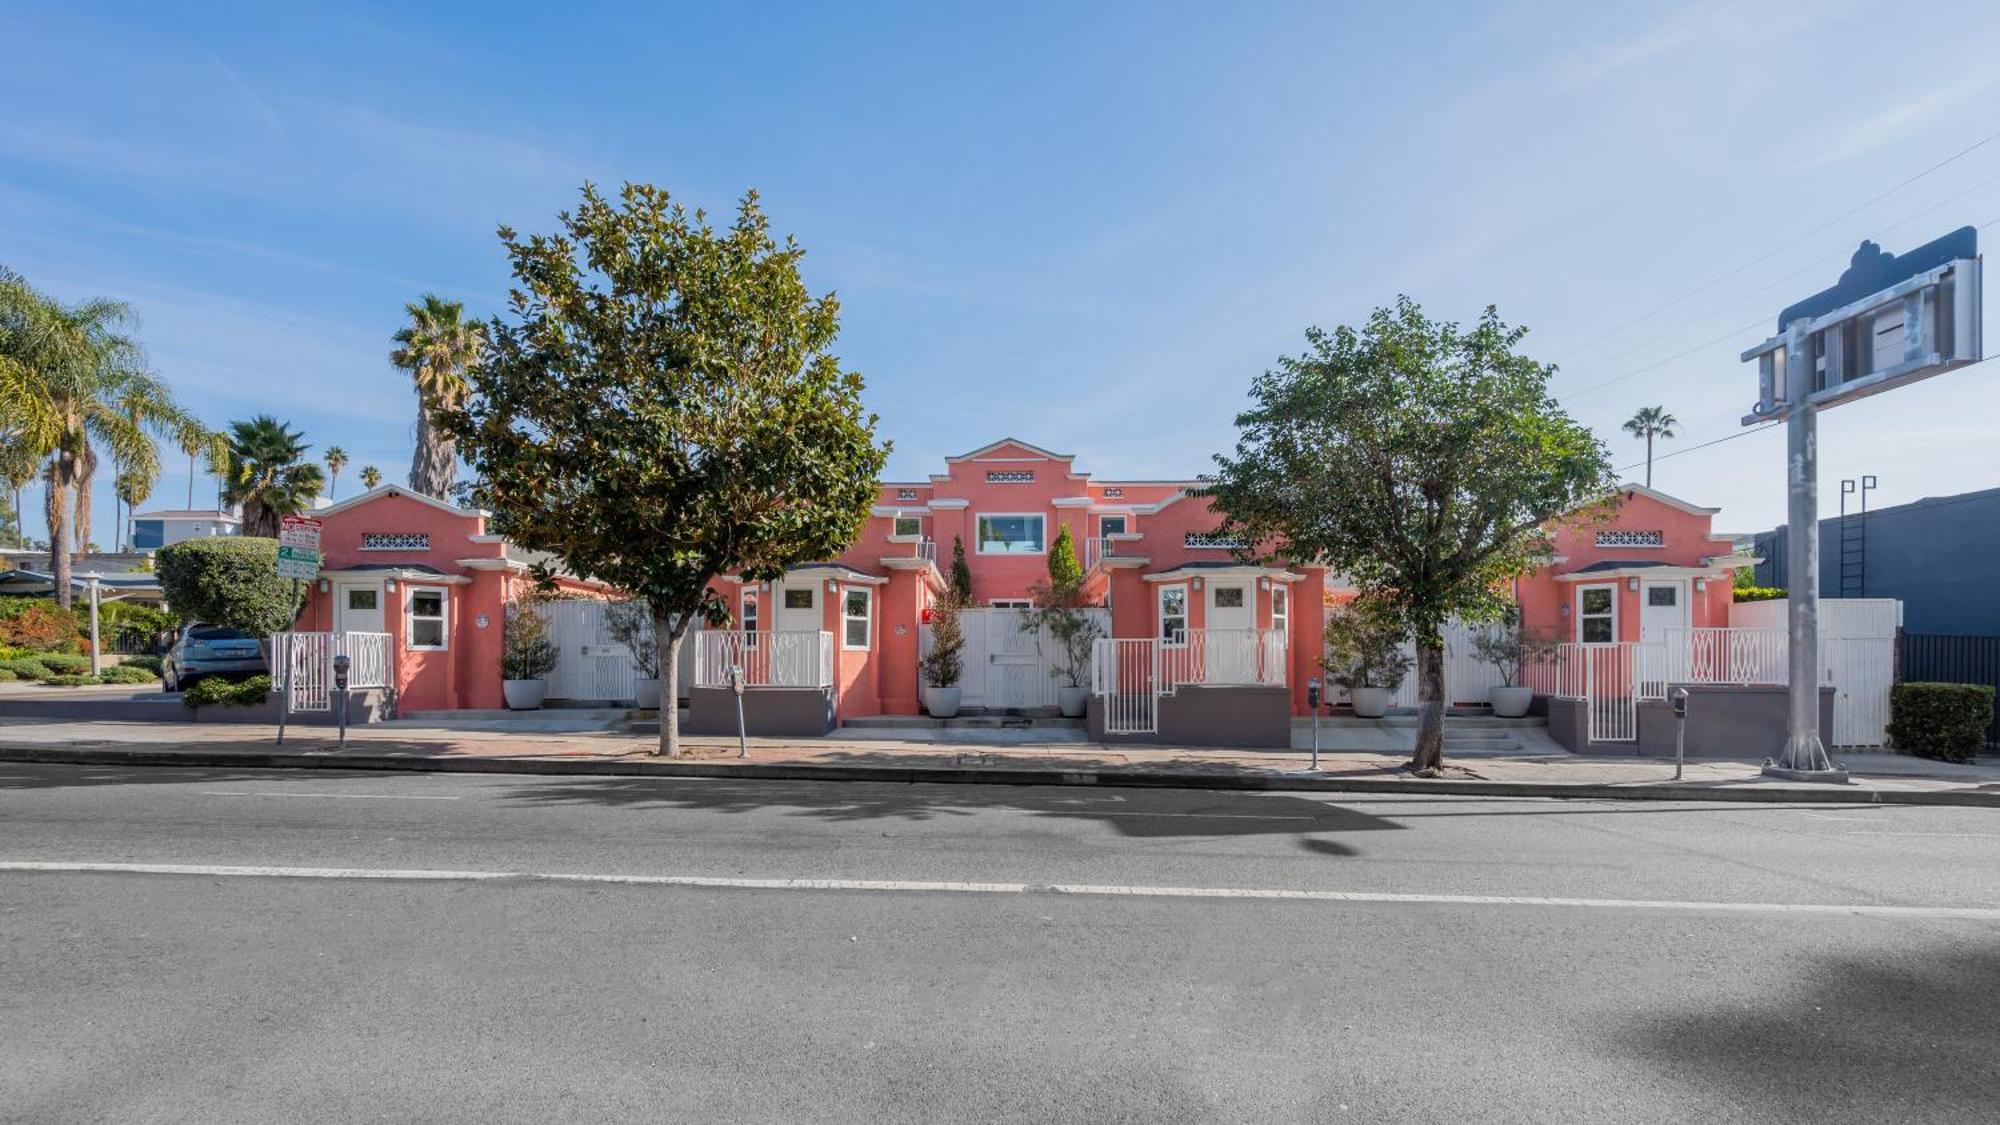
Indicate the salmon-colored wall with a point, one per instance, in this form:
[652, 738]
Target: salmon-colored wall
[1687, 539]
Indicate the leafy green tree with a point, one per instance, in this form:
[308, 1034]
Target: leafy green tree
[662, 409]
[1420, 460]
[229, 580]
[336, 460]
[268, 474]
[73, 382]
[1648, 423]
[439, 347]
[370, 477]
[961, 572]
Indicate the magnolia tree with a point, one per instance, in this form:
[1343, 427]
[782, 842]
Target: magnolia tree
[660, 408]
[1421, 460]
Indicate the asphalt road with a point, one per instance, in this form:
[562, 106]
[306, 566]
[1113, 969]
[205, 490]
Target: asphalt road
[791, 951]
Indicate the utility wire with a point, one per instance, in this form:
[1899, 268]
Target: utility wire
[1768, 255]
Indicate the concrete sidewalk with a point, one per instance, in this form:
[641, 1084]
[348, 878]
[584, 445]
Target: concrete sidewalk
[1878, 777]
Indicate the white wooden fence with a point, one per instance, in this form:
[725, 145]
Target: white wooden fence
[790, 659]
[1009, 665]
[590, 663]
[302, 665]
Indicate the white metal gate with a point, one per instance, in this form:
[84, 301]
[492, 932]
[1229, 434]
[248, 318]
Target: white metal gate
[1125, 677]
[302, 665]
[1008, 665]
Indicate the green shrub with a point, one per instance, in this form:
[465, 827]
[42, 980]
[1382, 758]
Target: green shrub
[148, 664]
[26, 668]
[218, 692]
[1946, 722]
[64, 663]
[39, 625]
[126, 674]
[231, 581]
[70, 681]
[1759, 593]
[8, 675]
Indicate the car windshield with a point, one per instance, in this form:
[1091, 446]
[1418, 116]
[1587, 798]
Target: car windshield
[215, 633]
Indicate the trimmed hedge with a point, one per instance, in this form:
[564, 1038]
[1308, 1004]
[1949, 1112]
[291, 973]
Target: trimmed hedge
[126, 674]
[1945, 722]
[1759, 593]
[149, 664]
[71, 681]
[219, 692]
[229, 580]
[26, 668]
[64, 663]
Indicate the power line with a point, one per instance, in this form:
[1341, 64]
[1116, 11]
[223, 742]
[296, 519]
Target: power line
[1768, 255]
[1704, 445]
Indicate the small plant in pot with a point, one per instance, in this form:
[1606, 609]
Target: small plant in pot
[526, 656]
[1509, 648]
[945, 662]
[631, 624]
[1062, 608]
[1364, 654]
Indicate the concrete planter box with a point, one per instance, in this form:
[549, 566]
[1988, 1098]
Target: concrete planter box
[1723, 720]
[1203, 715]
[773, 711]
[1371, 702]
[1072, 701]
[524, 695]
[646, 695]
[942, 702]
[1510, 702]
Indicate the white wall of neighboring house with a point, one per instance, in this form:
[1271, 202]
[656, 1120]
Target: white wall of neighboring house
[149, 531]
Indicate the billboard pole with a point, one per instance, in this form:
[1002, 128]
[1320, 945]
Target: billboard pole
[1804, 757]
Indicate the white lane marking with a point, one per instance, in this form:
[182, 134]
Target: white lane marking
[1974, 913]
[339, 796]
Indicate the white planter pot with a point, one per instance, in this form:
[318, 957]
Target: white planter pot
[1072, 700]
[1371, 702]
[524, 695]
[941, 702]
[646, 694]
[1510, 702]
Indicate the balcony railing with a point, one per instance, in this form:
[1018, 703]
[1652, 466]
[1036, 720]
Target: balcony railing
[1100, 548]
[1234, 657]
[768, 659]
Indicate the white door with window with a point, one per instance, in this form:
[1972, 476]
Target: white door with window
[358, 608]
[798, 609]
[1663, 605]
[1232, 633]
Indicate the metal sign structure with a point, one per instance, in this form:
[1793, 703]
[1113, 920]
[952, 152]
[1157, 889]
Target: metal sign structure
[1891, 320]
[298, 548]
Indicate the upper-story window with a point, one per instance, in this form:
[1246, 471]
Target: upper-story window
[1623, 538]
[1111, 525]
[1198, 541]
[1010, 476]
[910, 526]
[1011, 535]
[395, 541]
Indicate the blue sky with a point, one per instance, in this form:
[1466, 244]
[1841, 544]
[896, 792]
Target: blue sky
[1088, 225]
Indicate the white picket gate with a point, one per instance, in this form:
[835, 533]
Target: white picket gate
[302, 665]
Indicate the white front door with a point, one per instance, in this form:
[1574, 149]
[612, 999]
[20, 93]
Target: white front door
[1662, 606]
[798, 608]
[357, 608]
[1232, 633]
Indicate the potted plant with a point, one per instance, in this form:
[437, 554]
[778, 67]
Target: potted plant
[943, 664]
[631, 624]
[1062, 608]
[1508, 648]
[1364, 654]
[526, 655]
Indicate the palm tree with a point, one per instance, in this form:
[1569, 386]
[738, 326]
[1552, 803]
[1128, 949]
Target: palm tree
[370, 477]
[336, 460]
[437, 348]
[72, 381]
[17, 467]
[268, 474]
[131, 489]
[1651, 422]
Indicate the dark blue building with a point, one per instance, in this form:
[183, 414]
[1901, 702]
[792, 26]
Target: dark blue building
[1940, 556]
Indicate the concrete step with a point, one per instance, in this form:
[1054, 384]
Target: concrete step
[961, 722]
[1452, 721]
[572, 714]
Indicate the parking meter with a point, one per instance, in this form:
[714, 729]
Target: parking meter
[736, 686]
[1678, 699]
[341, 663]
[1312, 701]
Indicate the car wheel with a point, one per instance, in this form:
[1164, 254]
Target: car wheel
[169, 682]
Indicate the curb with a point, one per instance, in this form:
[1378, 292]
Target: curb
[1112, 778]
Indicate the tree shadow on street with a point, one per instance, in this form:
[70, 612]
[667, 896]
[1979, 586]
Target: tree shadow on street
[1140, 813]
[40, 775]
[1907, 1035]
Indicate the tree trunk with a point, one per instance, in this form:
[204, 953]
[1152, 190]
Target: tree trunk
[434, 464]
[1429, 754]
[56, 505]
[667, 641]
[1649, 460]
[86, 478]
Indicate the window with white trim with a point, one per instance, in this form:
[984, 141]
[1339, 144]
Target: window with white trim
[425, 611]
[749, 620]
[1597, 614]
[1173, 614]
[907, 527]
[1011, 534]
[855, 617]
[1012, 603]
[1111, 525]
[1281, 610]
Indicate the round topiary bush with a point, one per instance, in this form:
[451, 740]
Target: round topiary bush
[231, 581]
[1945, 722]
